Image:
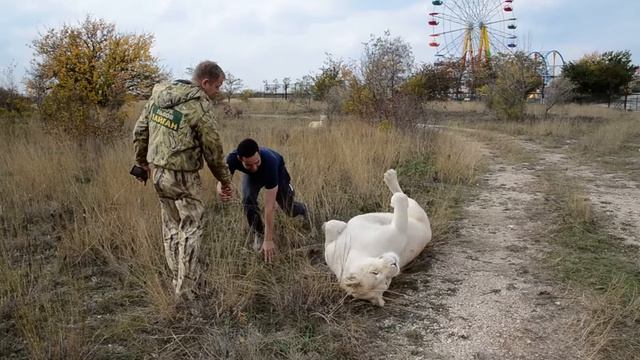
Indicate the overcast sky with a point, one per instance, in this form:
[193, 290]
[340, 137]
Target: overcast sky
[268, 39]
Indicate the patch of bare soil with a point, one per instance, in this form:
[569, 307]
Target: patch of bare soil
[484, 294]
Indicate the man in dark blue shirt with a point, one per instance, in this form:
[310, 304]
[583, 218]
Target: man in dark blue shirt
[263, 167]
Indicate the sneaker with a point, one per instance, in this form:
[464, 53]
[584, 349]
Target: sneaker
[257, 242]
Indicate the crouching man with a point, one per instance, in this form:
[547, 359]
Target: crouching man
[263, 167]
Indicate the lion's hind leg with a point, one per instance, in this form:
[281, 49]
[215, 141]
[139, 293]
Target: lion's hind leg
[333, 229]
[391, 179]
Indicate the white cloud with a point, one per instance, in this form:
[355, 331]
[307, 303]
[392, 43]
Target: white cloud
[258, 40]
[254, 39]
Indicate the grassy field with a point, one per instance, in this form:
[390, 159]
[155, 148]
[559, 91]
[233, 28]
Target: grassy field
[82, 271]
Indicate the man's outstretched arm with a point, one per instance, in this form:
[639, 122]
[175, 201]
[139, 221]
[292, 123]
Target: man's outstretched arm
[269, 246]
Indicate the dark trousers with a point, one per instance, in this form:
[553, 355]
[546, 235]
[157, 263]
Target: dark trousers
[284, 197]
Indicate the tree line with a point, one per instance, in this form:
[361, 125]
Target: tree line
[82, 74]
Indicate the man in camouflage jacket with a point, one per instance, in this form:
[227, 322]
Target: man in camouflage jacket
[175, 131]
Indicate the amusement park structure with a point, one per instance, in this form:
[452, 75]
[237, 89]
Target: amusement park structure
[551, 64]
[471, 31]
[467, 33]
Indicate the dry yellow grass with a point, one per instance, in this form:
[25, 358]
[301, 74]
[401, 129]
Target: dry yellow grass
[589, 260]
[579, 208]
[82, 274]
[458, 106]
[576, 111]
[607, 329]
[560, 111]
[610, 137]
[278, 106]
[456, 158]
[591, 131]
[82, 268]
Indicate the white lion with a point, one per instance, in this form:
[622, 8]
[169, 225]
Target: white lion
[316, 124]
[369, 250]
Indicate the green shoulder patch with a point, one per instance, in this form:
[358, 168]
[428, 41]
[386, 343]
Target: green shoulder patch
[168, 118]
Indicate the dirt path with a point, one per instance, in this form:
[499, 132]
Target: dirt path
[484, 296]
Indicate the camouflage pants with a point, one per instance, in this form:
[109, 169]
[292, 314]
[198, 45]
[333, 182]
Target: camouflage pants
[182, 208]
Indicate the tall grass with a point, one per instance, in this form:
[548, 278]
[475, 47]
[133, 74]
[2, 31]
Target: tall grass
[611, 137]
[533, 109]
[590, 260]
[590, 131]
[458, 106]
[82, 266]
[610, 328]
[572, 110]
[278, 106]
[457, 159]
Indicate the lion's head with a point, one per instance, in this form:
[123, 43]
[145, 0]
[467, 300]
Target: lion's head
[372, 279]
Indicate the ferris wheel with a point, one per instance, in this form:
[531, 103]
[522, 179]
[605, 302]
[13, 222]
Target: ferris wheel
[472, 30]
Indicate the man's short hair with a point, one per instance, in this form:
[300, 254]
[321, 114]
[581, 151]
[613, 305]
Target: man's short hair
[247, 148]
[206, 70]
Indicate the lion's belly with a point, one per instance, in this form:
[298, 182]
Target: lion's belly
[417, 237]
[372, 236]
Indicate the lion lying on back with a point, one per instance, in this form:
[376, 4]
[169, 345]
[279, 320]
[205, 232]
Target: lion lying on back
[369, 250]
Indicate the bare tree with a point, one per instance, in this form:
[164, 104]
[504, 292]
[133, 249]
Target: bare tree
[8, 80]
[559, 91]
[303, 91]
[285, 84]
[335, 98]
[513, 78]
[386, 64]
[331, 75]
[11, 100]
[231, 85]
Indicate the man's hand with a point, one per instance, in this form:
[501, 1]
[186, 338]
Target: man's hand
[148, 171]
[225, 192]
[269, 250]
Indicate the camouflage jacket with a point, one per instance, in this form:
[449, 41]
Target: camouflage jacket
[177, 128]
